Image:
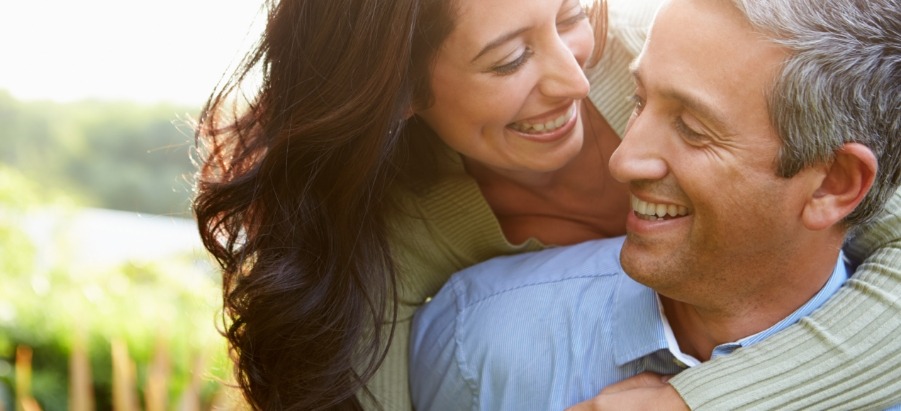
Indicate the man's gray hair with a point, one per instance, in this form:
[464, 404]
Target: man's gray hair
[841, 84]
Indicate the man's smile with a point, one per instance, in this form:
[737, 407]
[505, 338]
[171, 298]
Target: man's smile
[655, 211]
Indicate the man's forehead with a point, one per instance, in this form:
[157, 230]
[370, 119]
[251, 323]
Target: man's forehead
[705, 55]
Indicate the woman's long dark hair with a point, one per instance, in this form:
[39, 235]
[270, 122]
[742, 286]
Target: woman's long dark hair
[291, 192]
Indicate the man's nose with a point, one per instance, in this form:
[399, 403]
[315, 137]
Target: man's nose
[640, 155]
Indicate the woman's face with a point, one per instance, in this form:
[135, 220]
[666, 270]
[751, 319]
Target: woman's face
[508, 80]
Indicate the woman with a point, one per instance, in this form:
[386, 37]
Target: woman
[384, 151]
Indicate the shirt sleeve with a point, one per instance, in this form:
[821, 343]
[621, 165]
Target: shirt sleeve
[844, 356]
[437, 382]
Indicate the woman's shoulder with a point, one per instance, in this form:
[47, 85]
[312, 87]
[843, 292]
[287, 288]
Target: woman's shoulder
[629, 22]
[437, 229]
[611, 81]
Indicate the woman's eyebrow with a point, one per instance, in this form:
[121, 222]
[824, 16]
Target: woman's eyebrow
[498, 41]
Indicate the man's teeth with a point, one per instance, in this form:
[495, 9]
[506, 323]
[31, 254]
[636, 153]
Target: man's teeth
[657, 211]
[545, 127]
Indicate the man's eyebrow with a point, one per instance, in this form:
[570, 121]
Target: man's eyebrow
[498, 41]
[689, 100]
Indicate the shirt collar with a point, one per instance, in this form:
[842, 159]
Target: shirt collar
[636, 322]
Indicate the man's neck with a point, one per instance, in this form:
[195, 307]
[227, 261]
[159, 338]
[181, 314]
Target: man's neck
[699, 329]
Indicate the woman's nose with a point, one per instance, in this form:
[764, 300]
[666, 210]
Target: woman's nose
[564, 75]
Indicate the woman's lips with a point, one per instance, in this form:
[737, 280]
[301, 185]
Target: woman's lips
[549, 130]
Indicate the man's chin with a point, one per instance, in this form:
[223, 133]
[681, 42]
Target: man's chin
[636, 269]
[646, 268]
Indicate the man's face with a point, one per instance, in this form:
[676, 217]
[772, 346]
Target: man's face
[700, 158]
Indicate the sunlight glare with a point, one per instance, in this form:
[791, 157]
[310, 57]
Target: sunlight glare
[163, 50]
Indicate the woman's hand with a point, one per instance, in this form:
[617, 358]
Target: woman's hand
[644, 391]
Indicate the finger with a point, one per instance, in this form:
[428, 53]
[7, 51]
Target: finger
[643, 380]
[590, 405]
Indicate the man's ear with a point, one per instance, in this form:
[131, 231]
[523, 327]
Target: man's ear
[846, 182]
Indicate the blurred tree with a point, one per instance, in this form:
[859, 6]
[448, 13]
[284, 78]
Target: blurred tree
[116, 155]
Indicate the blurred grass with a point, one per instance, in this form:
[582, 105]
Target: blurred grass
[55, 305]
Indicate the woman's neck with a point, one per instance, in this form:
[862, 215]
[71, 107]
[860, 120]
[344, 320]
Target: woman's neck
[575, 203]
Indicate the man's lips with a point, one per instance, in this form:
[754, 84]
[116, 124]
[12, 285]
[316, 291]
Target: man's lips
[657, 211]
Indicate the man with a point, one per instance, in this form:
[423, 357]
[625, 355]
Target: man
[748, 159]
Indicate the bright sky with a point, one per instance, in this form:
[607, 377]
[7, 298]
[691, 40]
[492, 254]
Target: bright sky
[146, 51]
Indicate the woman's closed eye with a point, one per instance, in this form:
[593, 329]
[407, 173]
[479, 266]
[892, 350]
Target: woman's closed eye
[511, 67]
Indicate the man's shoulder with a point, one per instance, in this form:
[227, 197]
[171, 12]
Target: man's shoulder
[529, 279]
[591, 259]
[498, 326]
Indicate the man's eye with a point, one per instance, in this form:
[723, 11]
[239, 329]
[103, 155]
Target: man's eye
[514, 65]
[637, 102]
[686, 131]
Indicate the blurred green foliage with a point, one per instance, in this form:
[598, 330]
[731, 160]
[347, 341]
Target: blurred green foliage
[57, 158]
[116, 155]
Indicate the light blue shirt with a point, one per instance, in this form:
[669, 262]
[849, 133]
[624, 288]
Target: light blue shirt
[547, 330]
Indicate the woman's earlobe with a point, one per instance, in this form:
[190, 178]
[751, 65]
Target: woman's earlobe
[846, 182]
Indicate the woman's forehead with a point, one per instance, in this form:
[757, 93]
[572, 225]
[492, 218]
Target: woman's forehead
[479, 22]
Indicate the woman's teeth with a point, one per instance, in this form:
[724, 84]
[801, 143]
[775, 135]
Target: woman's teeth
[545, 127]
[651, 211]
